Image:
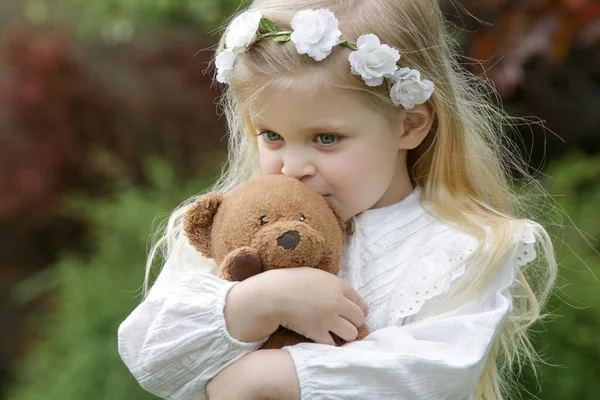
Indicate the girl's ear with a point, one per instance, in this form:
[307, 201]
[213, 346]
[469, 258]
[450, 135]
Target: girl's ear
[417, 124]
[199, 219]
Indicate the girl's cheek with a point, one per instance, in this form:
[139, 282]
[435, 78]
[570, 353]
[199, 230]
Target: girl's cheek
[352, 167]
[269, 163]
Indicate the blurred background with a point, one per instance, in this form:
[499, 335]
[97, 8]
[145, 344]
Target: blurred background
[108, 120]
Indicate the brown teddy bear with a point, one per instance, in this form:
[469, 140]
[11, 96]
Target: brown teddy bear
[267, 223]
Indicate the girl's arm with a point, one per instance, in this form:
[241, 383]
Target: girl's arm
[178, 338]
[261, 375]
[438, 357]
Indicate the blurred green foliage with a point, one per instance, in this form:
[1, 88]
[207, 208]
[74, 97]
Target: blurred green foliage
[568, 341]
[120, 19]
[77, 357]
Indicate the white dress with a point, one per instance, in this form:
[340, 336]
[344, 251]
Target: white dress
[400, 259]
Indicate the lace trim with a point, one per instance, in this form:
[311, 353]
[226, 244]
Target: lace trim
[525, 241]
[433, 275]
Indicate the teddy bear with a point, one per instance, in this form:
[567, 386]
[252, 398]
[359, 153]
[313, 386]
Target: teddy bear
[267, 223]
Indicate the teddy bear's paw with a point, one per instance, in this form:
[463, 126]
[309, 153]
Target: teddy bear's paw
[283, 337]
[245, 266]
[363, 332]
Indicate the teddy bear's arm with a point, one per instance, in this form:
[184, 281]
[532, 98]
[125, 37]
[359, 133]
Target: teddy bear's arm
[240, 264]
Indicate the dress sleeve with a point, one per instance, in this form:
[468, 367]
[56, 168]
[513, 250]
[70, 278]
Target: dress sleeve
[176, 340]
[439, 356]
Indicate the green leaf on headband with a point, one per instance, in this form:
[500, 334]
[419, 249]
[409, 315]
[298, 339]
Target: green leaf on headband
[348, 44]
[268, 25]
[284, 38]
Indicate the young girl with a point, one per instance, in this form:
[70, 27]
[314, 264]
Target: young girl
[362, 101]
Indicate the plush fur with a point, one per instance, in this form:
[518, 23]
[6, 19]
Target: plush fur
[268, 223]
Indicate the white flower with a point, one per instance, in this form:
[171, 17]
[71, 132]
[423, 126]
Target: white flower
[409, 90]
[315, 32]
[224, 63]
[373, 61]
[243, 30]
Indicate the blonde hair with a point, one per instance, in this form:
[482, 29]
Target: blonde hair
[463, 166]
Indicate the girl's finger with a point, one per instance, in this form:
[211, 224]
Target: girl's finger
[353, 313]
[345, 330]
[354, 297]
[324, 338]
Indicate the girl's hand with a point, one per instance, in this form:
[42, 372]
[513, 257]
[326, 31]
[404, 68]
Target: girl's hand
[313, 303]
[261, 375]
[249, 313]
[308, 301]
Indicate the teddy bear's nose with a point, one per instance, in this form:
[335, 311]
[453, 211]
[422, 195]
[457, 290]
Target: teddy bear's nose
[289, 240]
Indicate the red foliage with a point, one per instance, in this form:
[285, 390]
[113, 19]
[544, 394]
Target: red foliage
[50, 109]
[57, 110]
[543, 57]
[524, 30]
[67, 115]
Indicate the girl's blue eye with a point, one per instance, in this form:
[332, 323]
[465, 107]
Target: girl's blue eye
[327, 139]
[272, 136]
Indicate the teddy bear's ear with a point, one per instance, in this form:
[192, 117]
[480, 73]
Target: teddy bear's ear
[346, 227]
[198, 221]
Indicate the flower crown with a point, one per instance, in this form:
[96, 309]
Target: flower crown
[315, 33]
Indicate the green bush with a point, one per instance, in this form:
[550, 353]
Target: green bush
[568, 341]
[120, 19]
[76, 357]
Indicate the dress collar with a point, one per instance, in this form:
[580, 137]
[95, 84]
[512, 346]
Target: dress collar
[399, 213]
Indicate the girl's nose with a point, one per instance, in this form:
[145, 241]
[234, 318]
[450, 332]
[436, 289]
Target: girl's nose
[298, 166]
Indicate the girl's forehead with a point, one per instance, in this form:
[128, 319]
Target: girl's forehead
[311, 83]
[305, 106]
[302, 98]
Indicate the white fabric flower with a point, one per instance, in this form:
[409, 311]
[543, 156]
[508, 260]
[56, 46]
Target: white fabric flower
[243, 30]
[373, 61]
[224, 63]
[315, 32]
[408, 89]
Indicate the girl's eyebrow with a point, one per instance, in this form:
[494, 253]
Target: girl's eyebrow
[320, 128]
[327, 127]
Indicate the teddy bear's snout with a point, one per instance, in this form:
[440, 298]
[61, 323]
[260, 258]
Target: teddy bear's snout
[287, 244]
[289, 240]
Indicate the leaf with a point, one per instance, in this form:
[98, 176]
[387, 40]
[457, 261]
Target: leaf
[268, 25]
[348, 44]
[284, 38]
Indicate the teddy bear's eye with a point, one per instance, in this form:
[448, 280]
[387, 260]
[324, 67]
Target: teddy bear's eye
[262, 220]
[302, 217]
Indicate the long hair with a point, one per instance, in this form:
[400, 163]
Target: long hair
[463, 166]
